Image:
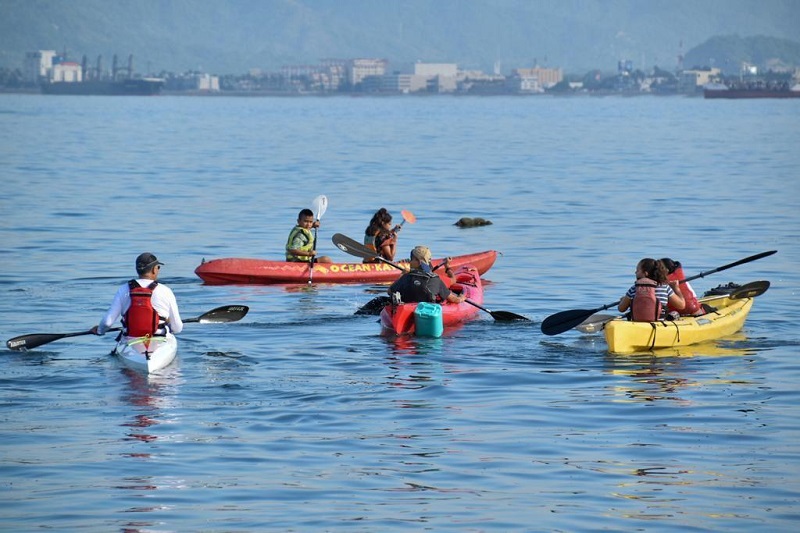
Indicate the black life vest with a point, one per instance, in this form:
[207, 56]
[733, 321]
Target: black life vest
[141, 319]
[414, 287]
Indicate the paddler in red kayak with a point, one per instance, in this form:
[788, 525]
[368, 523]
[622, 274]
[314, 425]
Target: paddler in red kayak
[300, 244]
[420, 284]
[380, 236]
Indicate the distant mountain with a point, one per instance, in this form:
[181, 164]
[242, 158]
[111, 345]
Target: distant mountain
[730, 52]
[232, 36]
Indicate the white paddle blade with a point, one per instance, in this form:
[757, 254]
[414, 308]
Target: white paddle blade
[320, 205]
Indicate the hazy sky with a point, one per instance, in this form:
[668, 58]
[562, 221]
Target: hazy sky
[231, 36]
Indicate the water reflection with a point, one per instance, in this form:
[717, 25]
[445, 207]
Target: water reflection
[661, 374]
[412, 363]
[408, 345]
[147, 397]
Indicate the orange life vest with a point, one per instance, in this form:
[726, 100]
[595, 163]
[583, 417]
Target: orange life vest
[141, 319]
[692, 305]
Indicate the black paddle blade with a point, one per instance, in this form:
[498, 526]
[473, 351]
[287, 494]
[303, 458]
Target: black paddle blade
[374, 306]
[34, 340]
[349, 246]
[565, 320]
[750, 290]
[497, 315]
[507, 316]
[226, 313]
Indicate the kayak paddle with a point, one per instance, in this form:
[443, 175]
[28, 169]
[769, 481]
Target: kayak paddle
[750, 290]
[348, 245]
[731, 265]
[226, 313]
[502, 316]
[566, 320]
[597, 322]
[408, 216]
[319, 205]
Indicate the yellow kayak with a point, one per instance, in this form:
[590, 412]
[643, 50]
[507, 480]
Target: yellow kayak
[624, 336]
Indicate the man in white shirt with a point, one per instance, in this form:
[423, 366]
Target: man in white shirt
[162, 299]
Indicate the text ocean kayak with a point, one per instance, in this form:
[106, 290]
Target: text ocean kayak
[399, 319]
[245, 271]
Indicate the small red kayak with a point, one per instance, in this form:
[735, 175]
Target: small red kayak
[402, 319]
[244, 271]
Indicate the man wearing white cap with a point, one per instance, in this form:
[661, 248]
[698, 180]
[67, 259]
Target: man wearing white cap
[420, 284]
[146, 306]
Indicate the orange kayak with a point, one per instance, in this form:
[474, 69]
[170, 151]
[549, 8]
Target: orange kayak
[245, 271]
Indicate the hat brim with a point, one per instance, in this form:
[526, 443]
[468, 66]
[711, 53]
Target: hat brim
[149, 265]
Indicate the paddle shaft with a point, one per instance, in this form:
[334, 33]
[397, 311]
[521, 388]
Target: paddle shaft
[730, 265]
[321, 205]
[313, 259]
[227, 313]
[498, 315]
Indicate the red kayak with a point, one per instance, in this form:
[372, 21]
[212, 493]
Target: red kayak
[262, 272]
[400, 319]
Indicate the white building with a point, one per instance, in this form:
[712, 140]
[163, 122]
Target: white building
[207, 82]
[37, 65]
[441, 77]
[358, 69]
[404, 83]
[67, 71]
[536, 79]
[436, 69]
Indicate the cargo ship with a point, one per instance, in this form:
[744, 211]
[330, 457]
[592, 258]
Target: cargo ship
[68, 77]
[718, 90]
[130, 86]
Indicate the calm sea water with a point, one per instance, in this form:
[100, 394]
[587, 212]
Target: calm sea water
[301, 417]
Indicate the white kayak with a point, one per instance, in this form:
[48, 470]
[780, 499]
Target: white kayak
[147, 354]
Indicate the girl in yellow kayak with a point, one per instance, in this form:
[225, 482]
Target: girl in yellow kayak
[649, 297]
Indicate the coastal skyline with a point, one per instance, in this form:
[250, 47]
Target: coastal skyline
[238, 35]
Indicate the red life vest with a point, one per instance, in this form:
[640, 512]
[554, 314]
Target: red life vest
[646, 306]
[692, 305]
[141, 319]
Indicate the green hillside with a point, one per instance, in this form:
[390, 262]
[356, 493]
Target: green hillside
[730, 51]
